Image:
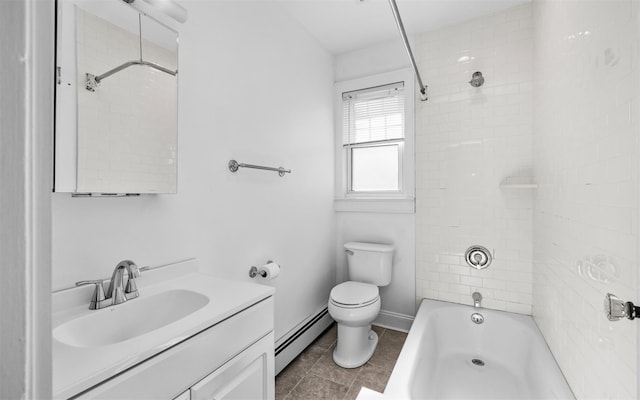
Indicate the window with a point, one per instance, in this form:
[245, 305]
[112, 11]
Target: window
[374, 143]
[373, 138]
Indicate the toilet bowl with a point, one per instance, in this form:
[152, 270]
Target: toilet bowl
[354, 305]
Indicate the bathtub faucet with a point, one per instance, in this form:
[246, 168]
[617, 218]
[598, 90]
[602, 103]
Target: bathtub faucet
[477, 299]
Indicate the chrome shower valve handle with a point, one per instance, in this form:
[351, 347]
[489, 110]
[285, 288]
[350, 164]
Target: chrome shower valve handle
[616, 309]
[478, 257]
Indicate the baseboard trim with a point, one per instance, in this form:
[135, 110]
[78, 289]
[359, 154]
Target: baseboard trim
[395, 321]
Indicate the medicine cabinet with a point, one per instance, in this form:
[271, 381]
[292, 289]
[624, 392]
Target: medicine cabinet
[116, 100]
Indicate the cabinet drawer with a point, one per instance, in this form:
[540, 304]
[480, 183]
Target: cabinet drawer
[170, 373]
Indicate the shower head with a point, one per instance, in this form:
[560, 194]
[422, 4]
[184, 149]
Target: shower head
[476, 79]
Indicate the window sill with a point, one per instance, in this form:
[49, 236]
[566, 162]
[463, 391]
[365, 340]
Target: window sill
[397, 206]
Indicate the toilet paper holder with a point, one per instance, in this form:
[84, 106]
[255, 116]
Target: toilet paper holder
[254, 271]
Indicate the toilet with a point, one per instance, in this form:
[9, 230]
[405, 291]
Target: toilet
[356, 303]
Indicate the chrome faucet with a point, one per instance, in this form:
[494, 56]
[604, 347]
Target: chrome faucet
[477, 299]
[118, 291]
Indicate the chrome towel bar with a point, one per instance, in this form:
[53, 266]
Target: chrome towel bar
[234, 165]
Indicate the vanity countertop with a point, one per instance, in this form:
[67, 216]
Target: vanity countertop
[76, 369]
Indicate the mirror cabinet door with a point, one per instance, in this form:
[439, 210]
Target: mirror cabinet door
[116, 100]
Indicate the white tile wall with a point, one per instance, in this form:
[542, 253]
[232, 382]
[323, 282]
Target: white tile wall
[127, 140]
[469, 141]
[585, 209]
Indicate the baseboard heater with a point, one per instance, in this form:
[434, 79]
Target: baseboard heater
[297, 339]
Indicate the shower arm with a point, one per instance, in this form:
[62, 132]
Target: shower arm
[396, 15]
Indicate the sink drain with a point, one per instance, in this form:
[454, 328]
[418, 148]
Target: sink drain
[477, 362]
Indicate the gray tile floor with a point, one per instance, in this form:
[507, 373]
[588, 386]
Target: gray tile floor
[314, 375]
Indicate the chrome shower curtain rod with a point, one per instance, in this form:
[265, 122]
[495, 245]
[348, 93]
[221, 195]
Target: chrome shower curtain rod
[92, 81]
[396, 15]
[135, 62]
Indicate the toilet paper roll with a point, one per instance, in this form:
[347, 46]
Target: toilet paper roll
[269, 271]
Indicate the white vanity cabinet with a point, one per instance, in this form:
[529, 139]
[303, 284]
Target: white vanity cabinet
[233, 359]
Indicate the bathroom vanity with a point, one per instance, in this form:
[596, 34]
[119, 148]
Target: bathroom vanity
[188, 336]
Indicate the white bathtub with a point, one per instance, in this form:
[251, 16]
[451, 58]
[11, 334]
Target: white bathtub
[436, 360]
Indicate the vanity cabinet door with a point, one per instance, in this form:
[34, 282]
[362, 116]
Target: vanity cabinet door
[249, 375]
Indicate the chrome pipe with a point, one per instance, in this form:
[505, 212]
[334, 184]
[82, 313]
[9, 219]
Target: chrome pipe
[403, 33]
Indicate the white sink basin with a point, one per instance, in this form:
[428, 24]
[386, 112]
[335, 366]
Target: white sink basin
[125, 321]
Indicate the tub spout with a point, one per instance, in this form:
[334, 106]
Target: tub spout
[477, 299]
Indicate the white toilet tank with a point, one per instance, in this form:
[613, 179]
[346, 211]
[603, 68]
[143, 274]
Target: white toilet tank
[369, 262]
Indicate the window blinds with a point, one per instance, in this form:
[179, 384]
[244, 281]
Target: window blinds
[374, 114]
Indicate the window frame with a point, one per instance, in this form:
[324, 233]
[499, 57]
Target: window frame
[402, 200]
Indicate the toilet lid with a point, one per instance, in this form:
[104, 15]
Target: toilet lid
[352, 293]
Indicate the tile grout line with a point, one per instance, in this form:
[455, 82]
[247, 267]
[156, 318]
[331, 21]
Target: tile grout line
[330, 380]
[350, 386]
[307, 372]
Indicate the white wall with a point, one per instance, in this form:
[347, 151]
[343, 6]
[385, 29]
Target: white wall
[255, 87]
[397, 229]
[586, 208]
[469, 141]
[372, 60]
[25, 200]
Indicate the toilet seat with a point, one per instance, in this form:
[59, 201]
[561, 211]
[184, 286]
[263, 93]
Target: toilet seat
[352, 294]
